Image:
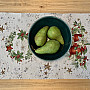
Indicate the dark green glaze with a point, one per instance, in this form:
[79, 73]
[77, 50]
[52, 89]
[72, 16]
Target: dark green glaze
[50, 21]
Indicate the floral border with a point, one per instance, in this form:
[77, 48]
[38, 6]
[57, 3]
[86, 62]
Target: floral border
[78, 49]
[9, 46]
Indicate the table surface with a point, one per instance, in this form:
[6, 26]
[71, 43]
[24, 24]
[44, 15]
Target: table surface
[50, 6]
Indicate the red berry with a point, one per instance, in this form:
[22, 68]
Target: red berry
[27, 34]
[20, 60]
[78, 27]
[85, 57]
[75, 25]
[80, 64]
[72, 28]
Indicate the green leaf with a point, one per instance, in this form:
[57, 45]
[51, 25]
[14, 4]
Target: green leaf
[14, 54]
[22, 38]
[21, 53]
[26, 57]
[79, 60]
[85, 66]
[75, 23]
[18, 59]
[75, 48]
[15, 58]
[83, 29]
[85, 51]
[79, 53]
[18, 52]
[21, 56]
[76, 53]
[11, 44]
[82, 57]
[87, 44]
[76, 59]
[82, 26]
[21, 31]
[19, 37]
[24, 32]
[19, 34]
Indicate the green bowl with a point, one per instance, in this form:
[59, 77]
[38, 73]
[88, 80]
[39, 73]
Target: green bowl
[50, 21]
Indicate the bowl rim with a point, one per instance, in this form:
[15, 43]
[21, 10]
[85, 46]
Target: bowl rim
[54, 18]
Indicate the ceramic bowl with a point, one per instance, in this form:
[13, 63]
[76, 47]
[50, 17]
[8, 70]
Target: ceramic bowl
[50, 21]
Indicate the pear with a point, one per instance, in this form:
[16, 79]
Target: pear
[54, 33]
[40, 37]
[51, 46]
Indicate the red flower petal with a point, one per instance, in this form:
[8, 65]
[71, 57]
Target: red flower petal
[82, 48]
[75, 45]
[9, 48]
[85, 47]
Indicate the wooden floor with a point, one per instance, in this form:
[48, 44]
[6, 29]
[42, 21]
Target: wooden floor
[45, 84]
[54, 6]
[45, 6]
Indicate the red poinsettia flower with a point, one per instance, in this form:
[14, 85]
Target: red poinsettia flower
[9, 48]
[22, 34]
[76, 37]
[18, 56]
[72, 50]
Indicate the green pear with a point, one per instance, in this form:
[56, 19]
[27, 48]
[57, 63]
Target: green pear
[54, 33]
[40, 37]
[51, 46]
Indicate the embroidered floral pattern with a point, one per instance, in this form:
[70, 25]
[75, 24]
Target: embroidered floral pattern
[9, 46]
[78, 48]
